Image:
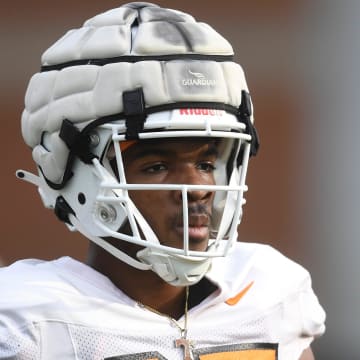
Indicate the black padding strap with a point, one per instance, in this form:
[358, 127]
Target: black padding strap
[134, 111]
[77, 142]
[245, 112]
[137, 58]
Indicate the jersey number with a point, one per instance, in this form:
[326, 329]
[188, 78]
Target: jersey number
[258, 351]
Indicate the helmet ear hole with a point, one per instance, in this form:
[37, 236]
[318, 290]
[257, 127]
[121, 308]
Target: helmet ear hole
[82, 198]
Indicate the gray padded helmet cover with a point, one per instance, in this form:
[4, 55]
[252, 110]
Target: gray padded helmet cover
[167, 53]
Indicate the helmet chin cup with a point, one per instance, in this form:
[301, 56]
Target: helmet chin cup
[177, 270]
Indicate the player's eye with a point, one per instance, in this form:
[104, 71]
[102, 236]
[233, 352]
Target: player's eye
[206, 166]
[154, 168]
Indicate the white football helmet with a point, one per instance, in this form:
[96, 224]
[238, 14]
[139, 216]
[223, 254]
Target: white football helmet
[132, 73]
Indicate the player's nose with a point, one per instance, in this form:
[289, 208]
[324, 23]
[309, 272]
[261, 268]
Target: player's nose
[192, 176]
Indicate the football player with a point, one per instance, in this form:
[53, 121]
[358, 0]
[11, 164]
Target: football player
[141, 127]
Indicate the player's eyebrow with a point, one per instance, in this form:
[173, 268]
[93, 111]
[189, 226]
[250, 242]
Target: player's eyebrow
[153, 150]
[150, 151]
[212, 150]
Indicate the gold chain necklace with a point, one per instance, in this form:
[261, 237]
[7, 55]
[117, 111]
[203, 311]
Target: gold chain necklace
[183, 342]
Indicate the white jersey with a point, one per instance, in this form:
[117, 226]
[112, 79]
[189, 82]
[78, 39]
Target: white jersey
[264, 309]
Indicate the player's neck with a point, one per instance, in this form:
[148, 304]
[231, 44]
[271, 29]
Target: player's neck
[144, 287]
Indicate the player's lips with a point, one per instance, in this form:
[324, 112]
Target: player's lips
[198, 226]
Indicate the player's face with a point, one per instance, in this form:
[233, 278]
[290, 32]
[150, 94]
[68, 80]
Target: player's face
[185, 161]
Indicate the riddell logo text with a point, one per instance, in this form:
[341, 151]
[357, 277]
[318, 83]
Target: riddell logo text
[211, 112]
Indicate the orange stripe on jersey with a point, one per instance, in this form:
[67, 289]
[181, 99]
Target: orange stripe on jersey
[254, 354]
[234, 300]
